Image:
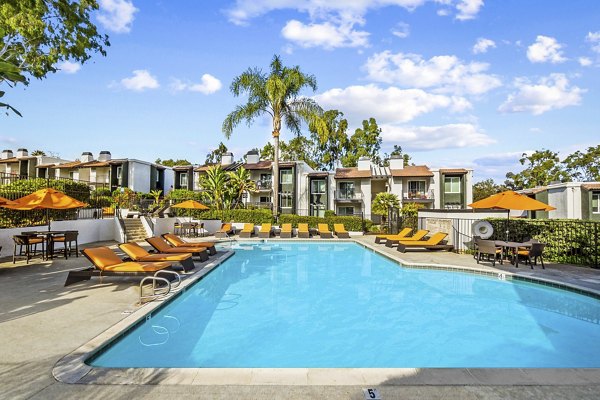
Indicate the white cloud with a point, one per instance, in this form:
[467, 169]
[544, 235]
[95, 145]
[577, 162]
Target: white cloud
[585, 61]
[208, 85]
[68, 67]
[435, 137]
[328, 35]
[117, 15]
[483, 45]
[140, 81]
[545, 49]
[387, 106]
[550, 93]
[468, 9]
[594, 39]
[402, 30]
[443, 73]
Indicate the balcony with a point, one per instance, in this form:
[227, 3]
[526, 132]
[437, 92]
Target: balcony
[260, 204]
[348, 196]
[418, 197]
[264, 185]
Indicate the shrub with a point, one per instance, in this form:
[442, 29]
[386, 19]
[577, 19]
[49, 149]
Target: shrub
[257, 217]
[350, 223]
[329, 213]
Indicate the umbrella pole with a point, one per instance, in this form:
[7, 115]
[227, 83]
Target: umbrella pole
[48, 218]
[507, 222]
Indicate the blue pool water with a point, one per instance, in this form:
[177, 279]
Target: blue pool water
[338, 305]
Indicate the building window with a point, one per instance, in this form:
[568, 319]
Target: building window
[265, 177]
[71, 174]
[265, 199]
[318, 187]
[452, 184]
[286, 177]
[286, 200]
[119, 176]
[346, 190]
[596, 202]
[416, 189]
[183, 179]
[345, 211]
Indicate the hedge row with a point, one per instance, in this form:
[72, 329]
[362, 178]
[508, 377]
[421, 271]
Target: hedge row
[350, 223]
[567, 241]
[257, 217]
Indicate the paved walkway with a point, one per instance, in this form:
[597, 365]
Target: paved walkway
[41, 321]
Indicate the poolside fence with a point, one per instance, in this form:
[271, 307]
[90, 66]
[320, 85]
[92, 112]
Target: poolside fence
[567, 241]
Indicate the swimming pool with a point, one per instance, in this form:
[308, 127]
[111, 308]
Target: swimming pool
[339, 305]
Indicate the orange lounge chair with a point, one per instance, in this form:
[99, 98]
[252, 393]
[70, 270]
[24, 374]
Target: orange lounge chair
[225, 231]
[161, 246]
[248, 231]
[303, 231]
[107, 263]
[434, 243]
[324, 232]
[400, 235]
[340, 231]
[265, 231]
[286, 231]
[176, 241]
[419, 235]
[139, 254]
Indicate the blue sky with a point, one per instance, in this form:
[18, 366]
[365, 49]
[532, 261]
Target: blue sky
[469, 83]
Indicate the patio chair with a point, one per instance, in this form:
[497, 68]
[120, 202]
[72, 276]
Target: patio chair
[286, 231]
[176, 241]
[265, 231]
[536, 250]
[324, 231]
[303, 231]
[488, 248]
[435, 242]
[107, 263]
[402, 234]
[476, 240]
[225, 231]
[30, 243]
[161, 246]
[247, 231]
[139, 254]
[67, 241]
[419, 235]
[340, 231]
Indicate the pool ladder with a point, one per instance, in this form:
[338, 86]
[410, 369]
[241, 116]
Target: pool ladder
[158, 291]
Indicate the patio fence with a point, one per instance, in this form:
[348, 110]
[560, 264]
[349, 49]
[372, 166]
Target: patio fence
[567, 241]
[13, 187]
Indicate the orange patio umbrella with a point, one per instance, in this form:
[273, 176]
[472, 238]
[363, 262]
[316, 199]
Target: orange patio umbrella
[510, 200]
[191, 205]
[6, 202]
[46, 199]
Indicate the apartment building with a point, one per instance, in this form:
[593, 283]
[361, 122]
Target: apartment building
[572, 200]
[25, 166]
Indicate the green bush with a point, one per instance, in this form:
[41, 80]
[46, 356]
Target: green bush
[350, 223]
[329, 213]
[257, 217]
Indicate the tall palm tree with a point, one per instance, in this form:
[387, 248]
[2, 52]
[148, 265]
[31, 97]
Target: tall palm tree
[278, 95]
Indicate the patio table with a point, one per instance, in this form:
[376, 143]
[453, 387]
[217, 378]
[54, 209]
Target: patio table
[513, 247]
[48, 238]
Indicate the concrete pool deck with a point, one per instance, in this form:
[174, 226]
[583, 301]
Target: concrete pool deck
[46, 321]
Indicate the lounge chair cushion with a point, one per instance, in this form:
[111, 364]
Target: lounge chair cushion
[138, 253]
[176, 241]
[137, 267]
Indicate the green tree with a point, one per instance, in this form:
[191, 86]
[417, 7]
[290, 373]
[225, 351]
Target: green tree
[365, 142]
[397, 151]
[215, 156]
[37, 34]
[333, 146]
[542, 167]
[299, 148]
[584, 166]
[240, 182]
[277, 94]
[38, 153]
[267, 152]
[214, 182]
[383, 202]
[171, 163]
[486, 188]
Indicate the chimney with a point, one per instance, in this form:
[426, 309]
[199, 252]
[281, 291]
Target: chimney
[364, 164]
[227, 158]
[396, 162]
[104, 156]
[6, 154]
[252, 157]
[86, 157]
[22, 153]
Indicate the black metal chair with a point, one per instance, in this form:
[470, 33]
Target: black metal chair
[489, 249]
[67, 241]
[536, 251]
[30, 243]
[476, 240]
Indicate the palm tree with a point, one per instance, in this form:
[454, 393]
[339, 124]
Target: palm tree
[383, 202]
[214, 183]
[278, 95]
[241, 182]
